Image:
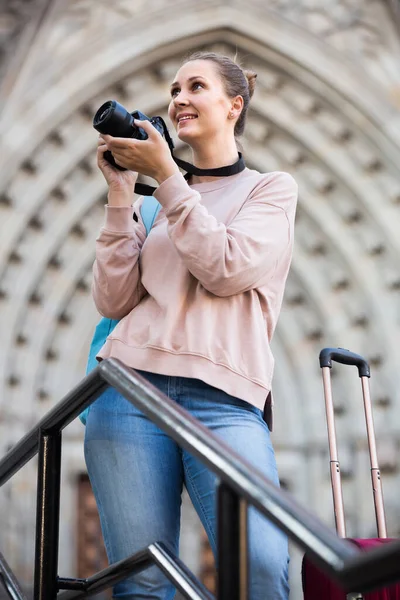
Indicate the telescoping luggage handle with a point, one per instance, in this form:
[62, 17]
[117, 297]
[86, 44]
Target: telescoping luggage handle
[340, 355]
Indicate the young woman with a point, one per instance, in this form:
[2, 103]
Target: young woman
[198, 301]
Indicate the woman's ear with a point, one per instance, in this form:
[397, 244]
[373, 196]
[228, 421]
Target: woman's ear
[237, 105]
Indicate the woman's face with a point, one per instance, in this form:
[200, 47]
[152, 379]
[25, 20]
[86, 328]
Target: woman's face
[199, 106]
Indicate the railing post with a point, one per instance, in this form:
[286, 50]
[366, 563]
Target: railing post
[47, 517]
[232, 545]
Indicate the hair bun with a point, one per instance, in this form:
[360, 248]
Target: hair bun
[251, 77]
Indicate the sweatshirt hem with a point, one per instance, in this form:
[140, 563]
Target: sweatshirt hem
[166, 362]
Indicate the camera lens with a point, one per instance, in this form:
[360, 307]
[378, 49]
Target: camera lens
[104, 114]
[113, 119]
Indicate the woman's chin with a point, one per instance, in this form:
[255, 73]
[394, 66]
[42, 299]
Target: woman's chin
[185, 136]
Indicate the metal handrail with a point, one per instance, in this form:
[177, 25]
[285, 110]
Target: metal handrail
[9, 581]
[156, 554]
[338, 558]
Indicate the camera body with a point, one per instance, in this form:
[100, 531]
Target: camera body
[113, 119]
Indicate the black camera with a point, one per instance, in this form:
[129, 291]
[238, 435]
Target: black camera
[113, 119]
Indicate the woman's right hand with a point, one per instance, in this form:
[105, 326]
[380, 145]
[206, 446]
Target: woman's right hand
[118, 181]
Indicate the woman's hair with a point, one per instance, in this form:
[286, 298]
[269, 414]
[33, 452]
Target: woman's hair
[236, 81]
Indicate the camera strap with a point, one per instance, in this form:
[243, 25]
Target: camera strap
[147, 190]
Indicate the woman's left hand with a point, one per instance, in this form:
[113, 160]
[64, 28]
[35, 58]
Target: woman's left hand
[151, 157]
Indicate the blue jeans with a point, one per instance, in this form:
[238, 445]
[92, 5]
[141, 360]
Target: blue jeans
[137, 474]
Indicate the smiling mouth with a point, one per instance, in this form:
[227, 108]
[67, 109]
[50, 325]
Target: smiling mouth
[184, 119]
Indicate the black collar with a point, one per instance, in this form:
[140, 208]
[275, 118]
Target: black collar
[147, 190]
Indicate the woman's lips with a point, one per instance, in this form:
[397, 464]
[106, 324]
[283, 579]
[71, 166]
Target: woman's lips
[183, 121]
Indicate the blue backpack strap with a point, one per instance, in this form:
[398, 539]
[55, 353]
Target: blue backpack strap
[148, 211]
[103, 329]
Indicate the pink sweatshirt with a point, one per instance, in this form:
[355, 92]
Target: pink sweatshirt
[200, 296]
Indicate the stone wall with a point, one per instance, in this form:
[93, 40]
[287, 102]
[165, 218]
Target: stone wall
[326, 109]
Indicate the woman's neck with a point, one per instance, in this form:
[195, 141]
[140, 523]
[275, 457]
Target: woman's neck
[212, 158]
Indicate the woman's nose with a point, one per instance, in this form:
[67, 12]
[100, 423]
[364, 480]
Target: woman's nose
[180, 100]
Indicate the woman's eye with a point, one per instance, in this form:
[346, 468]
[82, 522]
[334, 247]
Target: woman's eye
[195, 86]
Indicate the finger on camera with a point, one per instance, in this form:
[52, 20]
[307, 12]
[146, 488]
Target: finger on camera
[101, 162]
[148, 128]
[120, 162]
[109, 139]
[120, 144]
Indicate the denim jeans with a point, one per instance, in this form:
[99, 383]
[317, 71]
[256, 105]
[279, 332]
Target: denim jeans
[137, 474]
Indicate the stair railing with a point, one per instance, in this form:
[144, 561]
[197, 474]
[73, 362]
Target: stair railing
[241, 486]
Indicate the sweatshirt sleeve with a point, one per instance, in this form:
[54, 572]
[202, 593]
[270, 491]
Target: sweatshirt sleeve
[117, 288]
[229, 260]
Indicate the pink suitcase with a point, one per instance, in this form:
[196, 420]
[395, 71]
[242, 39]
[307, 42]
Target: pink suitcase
[316, 585]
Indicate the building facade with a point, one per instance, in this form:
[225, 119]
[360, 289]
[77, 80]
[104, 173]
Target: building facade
[326, 109]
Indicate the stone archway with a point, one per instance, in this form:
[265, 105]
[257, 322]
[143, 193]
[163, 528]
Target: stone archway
[313, 115]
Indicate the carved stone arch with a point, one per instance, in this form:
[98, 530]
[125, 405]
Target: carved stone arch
[135, 46]
[314, 114]
[277, 70]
